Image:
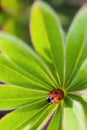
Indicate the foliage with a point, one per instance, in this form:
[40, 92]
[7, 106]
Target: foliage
[15, 16]
[29, 76]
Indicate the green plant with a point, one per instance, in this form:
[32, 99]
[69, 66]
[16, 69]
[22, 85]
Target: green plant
[29, 77]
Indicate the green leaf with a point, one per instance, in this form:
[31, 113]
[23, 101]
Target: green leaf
[38, 119]
[24, 57]
[43, 118]
[80, 82]
[27, 124]
[74, 118]
[48, 38]
[16, 78]
[68, 101]
[76, 48]
[56, 122]
[81, 99]
[11, 67]
[13, 96]
[11, 5]
[20, 116]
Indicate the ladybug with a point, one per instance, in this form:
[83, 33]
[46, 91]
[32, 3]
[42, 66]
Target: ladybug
[55, 96]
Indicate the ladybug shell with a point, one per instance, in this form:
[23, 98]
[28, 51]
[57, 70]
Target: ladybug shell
[55, 96]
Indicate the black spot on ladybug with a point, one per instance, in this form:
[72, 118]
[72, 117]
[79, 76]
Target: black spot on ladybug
[56, 93]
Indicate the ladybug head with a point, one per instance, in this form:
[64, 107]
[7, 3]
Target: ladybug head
[50, 99]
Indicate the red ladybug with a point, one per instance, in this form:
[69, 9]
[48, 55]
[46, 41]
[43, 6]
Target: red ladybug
[55, 96]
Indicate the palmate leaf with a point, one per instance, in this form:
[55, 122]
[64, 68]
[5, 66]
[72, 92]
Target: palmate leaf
[82, 99]
[76, 47]
[24, 57]
[68, 102]
[13, 96]
[18, 117]
[56, 123]
[48, 38]
[18, 76]
[38, 120]
[43, 118]
[29, 123]
[80, 82]
[29, 78]
[74, 117]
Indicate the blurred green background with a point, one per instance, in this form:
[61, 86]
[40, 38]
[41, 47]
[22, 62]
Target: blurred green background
[15, 15]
